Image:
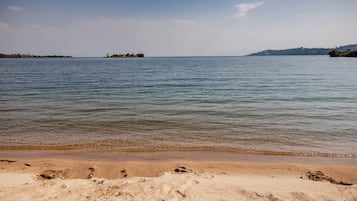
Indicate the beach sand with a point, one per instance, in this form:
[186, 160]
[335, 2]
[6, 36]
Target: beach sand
[178, 179]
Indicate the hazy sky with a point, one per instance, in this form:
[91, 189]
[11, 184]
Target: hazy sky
[173, 27]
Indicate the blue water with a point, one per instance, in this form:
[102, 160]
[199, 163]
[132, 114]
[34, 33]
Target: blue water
[302, 104]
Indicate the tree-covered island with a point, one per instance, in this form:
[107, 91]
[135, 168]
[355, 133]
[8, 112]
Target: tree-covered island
[347, 53]
[128, 55]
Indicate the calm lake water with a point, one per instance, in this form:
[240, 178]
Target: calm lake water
[295, 104]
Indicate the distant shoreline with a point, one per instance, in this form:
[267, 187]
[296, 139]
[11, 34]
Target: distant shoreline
[304, 51]
[18, 55]
[128, 55]
[152, 57]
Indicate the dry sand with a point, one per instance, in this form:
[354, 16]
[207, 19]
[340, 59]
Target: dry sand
[65, 179]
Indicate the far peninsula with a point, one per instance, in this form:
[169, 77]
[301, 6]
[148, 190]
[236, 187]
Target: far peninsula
[18, 55]
[342, 51]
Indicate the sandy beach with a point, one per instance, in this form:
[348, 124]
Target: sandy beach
[178, 179]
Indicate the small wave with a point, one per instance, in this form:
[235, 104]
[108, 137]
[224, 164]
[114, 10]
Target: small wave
[133, 147]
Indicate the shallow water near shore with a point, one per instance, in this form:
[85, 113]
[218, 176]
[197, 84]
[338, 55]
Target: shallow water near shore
[287, 105]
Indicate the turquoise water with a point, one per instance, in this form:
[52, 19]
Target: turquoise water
[299, 104]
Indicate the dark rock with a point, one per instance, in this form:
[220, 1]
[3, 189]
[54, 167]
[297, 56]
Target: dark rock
[182, 194]
[345, 183]
[90, 176]
[124, 173]
[181, 169]
[316, 175]
[320, 176]
[28, 165]
[50, 174]
[7, 160]
[47, 176]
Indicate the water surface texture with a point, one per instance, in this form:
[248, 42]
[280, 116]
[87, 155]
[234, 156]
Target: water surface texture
[297, 104]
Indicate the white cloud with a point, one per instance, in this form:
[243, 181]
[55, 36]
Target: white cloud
[4, 28]
[15, 8]
[244, 8]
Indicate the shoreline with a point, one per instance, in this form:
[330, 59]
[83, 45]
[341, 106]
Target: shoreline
[100, 155]
[168, 157]
[102, 148]
[79, 169]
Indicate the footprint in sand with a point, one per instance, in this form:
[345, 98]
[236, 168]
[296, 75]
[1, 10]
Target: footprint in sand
[91, 172]
[123, 173]
[177, 191]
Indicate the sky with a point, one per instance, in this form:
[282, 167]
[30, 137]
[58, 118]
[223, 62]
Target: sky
[173, 27]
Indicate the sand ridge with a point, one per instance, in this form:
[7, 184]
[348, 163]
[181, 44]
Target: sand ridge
[64, 179]
[178, 186]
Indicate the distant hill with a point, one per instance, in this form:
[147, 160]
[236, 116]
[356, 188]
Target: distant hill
[347, 47]
[304, 51]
